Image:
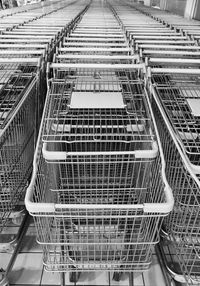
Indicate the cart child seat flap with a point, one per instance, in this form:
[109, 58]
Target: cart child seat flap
[97, 100]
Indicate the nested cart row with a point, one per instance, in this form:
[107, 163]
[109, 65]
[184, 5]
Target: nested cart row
[19, 97]
[173, 81]
[98, 193]
[24, 50]
[187, 27]
[39, 36]
[182, 226]
[152, 38]
[17, 74]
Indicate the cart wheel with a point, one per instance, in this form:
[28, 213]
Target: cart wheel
[74, 276]
[17, 220]
[117, 276]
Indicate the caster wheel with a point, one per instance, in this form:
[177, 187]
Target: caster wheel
[17, 220]
[74, 276]
[117, 276]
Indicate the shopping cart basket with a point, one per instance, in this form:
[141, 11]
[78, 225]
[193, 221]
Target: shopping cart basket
[17, 122]
[15, 77]
[178, 88]
[182, 225]
[103, 126]
[92, 205]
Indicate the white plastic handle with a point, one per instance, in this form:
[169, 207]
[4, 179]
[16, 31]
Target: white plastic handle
[175, 61]
[22, 52]
[60, 156]
[82, 49]
[21, 60]
[97, 66]
[94, 57]
[175, 71]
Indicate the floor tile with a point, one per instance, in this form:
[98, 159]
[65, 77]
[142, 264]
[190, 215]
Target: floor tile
[53, 278]
[138, 279]
[154, 276]
[93, 278]
[4, 260]
[27, 269]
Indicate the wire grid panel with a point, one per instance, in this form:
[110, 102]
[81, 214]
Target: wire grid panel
[97, 238]
[98, 146]
[129, 123]
[103, 244]
[188, 258]
[16, 152]
[182, 224]
[180, 97]
[15, 78]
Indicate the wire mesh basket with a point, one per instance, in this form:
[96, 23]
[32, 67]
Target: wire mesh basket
[98, 193]
[15, 78]
[179, 93]
[182, 225]
[106, 141]
[86, 228]
[16, 152]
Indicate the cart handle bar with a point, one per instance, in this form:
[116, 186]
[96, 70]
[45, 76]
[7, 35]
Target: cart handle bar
[118, 57]
[50, 208]
[20, 60]
[97, 66]
[174, 71]
[174, 60]
[59, 155]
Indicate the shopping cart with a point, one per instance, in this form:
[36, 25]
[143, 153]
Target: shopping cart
[17, 110]
[176, 91]
[98, 192]
[181, 227]
[177, 85]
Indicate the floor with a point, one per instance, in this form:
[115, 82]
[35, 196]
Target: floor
[28, 269]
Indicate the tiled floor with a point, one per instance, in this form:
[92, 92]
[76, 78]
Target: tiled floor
[28, 270]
